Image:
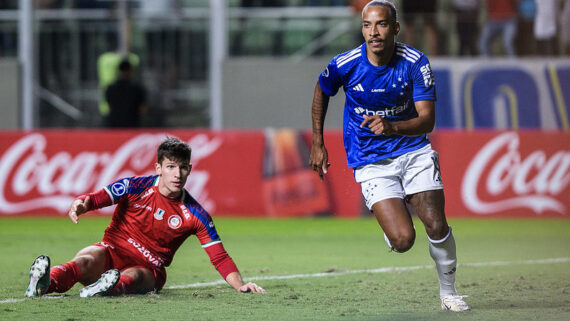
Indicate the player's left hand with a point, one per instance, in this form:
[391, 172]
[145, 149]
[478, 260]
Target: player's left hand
[251, 287]
[378, 125]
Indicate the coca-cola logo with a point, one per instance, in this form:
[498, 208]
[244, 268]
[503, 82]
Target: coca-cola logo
[33, 180]
[536, 180]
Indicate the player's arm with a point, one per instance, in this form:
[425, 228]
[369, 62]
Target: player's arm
[228, 269]
[423, 124]
[319, 155]
[85, 203]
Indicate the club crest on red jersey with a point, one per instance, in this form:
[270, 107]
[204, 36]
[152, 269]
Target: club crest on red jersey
[174, 221]
[159, 214]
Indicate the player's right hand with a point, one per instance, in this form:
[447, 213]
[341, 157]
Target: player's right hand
[251, 287]
[319, 160]
[78, 207]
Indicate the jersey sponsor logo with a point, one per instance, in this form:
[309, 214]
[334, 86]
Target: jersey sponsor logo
[358, 88]
[378, 90]
[159, 214]
[175, 221]
[428, 75]
[120, 188]
[147, 193]
[185, 211]
[383, 113]
[152, 258]
[144, 207]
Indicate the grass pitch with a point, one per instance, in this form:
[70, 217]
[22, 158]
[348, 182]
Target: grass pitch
[314, 269]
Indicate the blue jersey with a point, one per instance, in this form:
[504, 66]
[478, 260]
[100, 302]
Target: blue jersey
[389, 91]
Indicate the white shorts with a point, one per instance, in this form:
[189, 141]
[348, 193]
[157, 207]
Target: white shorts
[411, 173]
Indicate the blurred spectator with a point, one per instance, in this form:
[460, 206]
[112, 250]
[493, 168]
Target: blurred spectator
[466, 18]
[501, 20]
[565, 26]
[8, 31]
[126, 99]
[425, 10]
[525, 42]
[52, 46]
[545, 25]
[107, 72]
[92, 33]
[161, 23]
[328, 3]
[277, 45]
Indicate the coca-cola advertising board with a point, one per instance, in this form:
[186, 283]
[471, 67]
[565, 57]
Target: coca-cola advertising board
[487, 174]
[249, 173]
[266, 173]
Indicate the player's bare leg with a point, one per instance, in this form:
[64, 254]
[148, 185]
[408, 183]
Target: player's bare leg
[429, 206]
[91, 262]
[395, 220]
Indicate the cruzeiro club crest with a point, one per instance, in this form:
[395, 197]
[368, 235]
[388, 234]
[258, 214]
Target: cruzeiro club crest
[174, 221]
[159, 214]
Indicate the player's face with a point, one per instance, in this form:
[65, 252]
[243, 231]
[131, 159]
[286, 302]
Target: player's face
[173, 176]
[379, 30]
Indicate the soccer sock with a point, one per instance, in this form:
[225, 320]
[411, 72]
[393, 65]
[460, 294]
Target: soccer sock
[124, 286]
[443, 253]
[63, 277]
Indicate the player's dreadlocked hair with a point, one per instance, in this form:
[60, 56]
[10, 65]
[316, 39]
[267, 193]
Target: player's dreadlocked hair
[382, 3]
[173, 149]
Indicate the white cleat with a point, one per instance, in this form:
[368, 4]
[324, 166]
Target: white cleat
[106, 282]
[454, 303]
[39, 277]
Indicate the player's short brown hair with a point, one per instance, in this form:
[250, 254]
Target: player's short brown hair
[174, 149]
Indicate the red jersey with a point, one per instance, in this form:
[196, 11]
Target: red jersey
[502, 9]
[155, 226]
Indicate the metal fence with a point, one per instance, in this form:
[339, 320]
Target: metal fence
[174, 55]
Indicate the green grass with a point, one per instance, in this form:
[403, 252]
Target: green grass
[517, 289]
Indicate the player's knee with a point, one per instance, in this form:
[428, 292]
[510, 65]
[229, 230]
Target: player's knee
[437, 229]
[403, 242]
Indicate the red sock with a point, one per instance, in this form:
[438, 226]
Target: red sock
[124, 286]
[63, 277]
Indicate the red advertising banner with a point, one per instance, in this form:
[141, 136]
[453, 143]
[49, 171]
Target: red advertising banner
[487, 174]
[249, 173]
[266, 173]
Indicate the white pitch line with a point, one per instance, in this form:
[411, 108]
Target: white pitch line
[379, 270]
[325, 274]
[45, 297]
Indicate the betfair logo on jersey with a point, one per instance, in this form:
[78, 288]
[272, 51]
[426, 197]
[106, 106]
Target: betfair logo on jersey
[428, 75]
[159, 214]
[120, 188]
[382, 112]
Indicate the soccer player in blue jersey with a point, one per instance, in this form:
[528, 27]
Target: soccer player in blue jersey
[389, 110]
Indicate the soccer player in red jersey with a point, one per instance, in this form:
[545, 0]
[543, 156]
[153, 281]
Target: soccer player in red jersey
[153, 217]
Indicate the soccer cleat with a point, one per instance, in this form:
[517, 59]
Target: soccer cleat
[454, 303]
[39, 277]
[106, 282]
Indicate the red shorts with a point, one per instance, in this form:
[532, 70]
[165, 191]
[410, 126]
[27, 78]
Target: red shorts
[120, 257]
